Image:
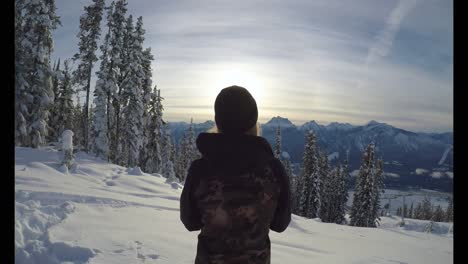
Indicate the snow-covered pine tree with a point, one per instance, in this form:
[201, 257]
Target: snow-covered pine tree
[35, 23]
[449, 211]
[131, 96]
[53, 135]
[64, 102]
[90, 31]
[308, 205]
[154, 161]
[327, 180]
[410, 212]
[168, 166]
[426, 208]
[277, 151]
[343, 193]
[377, 189]
[438, 214]
[361, 210]
[105, 86]
[181, 158]
[22, 93]
[67, 148]
[146, 99]
[418, 214]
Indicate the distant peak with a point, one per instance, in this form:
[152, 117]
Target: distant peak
[373, 122]
[279, 121]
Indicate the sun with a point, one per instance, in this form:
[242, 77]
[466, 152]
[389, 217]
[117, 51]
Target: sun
[238, 76]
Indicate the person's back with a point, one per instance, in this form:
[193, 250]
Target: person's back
[235, 193]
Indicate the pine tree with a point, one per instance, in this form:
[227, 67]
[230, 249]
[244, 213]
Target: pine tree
[146, 100]
[426, 208]
[309, 200]
[53, 133]
[449, 212]
[362, 210]
[377, 189]
[438, 215]
[327, 189]
[131, 97]
[33, 77]
[277, 151]
[64, 102]
[418, 213]
[342, 193]
[154, 161]
[168, 166]
[410, 212]
[90, 31]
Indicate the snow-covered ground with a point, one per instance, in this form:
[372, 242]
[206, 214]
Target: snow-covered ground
[104, 213]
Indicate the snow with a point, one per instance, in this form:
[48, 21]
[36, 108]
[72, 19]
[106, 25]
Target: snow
[100, 213]
[334, 155]
[285, 155]
[437, 174]
[420, 171]
[444, 156]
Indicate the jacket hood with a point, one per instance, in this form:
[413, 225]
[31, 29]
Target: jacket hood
[234, 154]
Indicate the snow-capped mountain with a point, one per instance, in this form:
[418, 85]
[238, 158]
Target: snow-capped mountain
[403, 151]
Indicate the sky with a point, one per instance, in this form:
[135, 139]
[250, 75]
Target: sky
[323, 60]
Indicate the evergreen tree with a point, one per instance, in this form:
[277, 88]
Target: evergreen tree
[168, 166]
[418, 212]
[154, 161]
[53, 133]
[146, 100]
[90, 31]
[377, 189]
[362, 210]
[438, 215]
[277, 151]
[449, 212]
[308, 201]
[426, 208]
[410, 212]
[328, 184]
[64, 102]
[33, 77]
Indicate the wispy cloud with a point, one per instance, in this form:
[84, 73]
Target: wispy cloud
[384, 39]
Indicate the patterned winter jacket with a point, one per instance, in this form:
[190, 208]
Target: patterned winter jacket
[234, 194]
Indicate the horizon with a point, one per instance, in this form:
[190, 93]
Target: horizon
[335, 61]
[300, 123]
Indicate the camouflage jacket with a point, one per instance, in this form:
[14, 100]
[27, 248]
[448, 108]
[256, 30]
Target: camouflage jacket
[235, 194]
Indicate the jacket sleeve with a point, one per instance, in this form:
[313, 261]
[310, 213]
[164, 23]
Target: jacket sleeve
[282, 216]
[189, 213]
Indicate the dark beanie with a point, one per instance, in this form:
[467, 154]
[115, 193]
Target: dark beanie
[235, 110]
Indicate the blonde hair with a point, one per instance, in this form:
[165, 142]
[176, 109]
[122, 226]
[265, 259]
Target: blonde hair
[253, 131]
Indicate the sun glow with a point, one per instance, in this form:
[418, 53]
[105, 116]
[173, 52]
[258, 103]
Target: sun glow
[237, 76]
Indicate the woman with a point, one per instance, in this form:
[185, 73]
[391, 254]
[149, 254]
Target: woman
[238, 190]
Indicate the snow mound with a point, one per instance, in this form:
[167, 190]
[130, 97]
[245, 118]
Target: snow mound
[135, 171]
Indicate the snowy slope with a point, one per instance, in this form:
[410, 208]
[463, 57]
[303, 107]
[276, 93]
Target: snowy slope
[102, 213]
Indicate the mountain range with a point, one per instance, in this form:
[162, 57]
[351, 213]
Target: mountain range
[411, 160]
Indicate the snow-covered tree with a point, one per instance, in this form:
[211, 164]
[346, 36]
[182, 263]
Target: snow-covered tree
[426, 208]
[145, 100]
[438, 214]
[90, 31]
[168, 166]
[410, 212]
[277, 151]
[309, 201]
[154, 162]
[377, 189]
[131, 96]
[364, 197]
[34, 24]
[64, 102]
[327, 189]
[53, 134]
[449, 211]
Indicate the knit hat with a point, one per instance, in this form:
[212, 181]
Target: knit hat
[235, 110]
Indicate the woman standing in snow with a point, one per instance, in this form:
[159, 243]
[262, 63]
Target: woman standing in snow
[238, 190]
